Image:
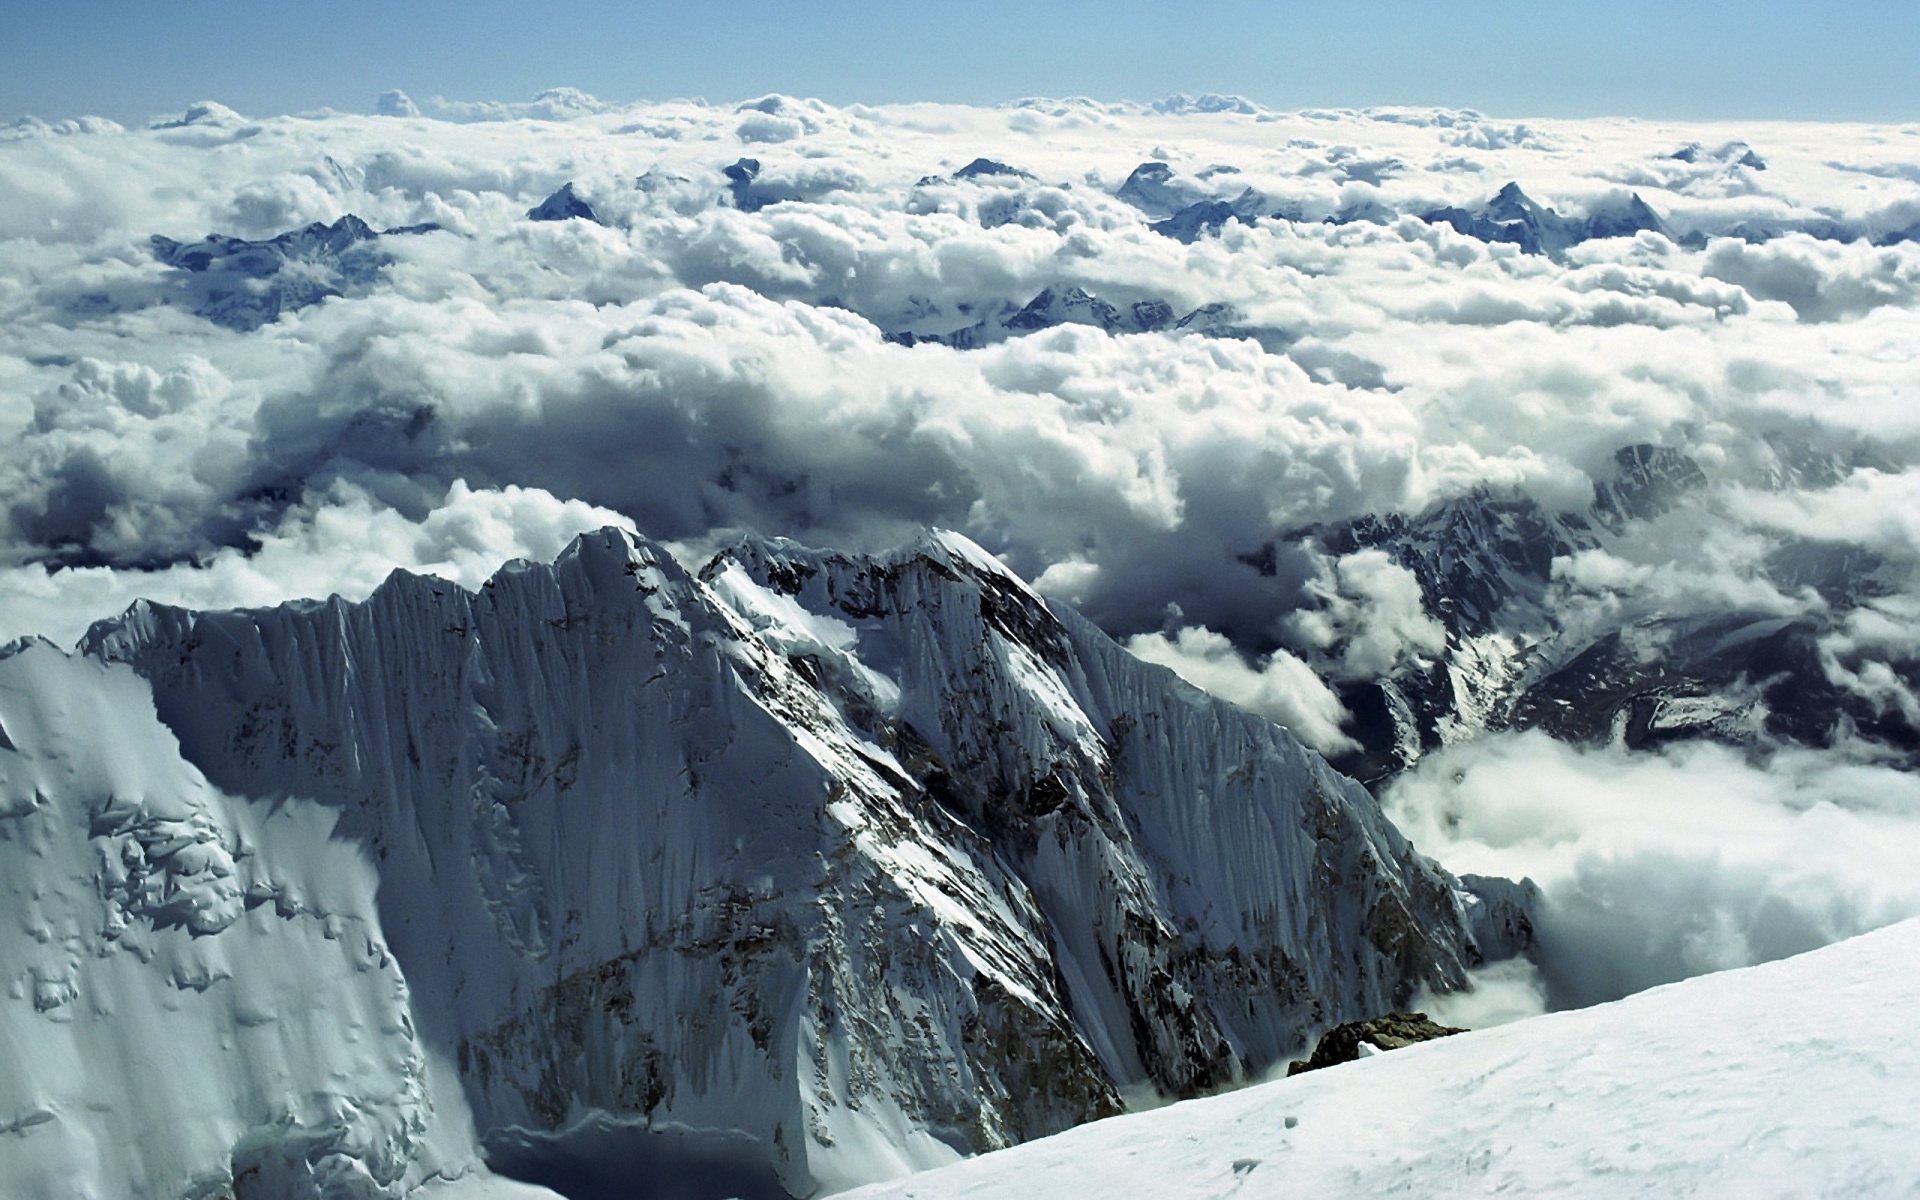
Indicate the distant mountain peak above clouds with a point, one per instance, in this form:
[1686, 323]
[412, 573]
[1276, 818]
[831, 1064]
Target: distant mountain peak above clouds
[1513, 216]
[981, 168]
[564, 205]
[243, 285]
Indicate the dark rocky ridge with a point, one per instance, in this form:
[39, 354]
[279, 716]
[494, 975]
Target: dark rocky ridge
[1073, 305]
[1341, 1044]
[1514, 217]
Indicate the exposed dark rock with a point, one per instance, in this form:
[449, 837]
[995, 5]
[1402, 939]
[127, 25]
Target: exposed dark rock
[261, 259]
[1512, 217]
[1635, 216]
[740, 182]
[1341, 1044]
[1648, 480]
[1076, 306]
[1733, 154]
[980, 167]
[751, 193]
[1502, 914]
[1056, 306]
[1195, 220]
[1152, 189]
[1485, 564]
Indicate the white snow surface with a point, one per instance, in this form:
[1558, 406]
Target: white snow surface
[196, 987]
[1797, 1078]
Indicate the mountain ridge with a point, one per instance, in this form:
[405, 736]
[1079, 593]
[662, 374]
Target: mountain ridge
[824, 866]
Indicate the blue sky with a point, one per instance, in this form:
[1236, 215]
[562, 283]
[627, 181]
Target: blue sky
[1843, 59]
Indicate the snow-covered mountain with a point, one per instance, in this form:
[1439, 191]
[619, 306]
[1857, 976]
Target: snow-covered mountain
[1513, 216]
[199, 1000]
[1777, 1080]
[243, 285]
[1054, 307]
[805, 871]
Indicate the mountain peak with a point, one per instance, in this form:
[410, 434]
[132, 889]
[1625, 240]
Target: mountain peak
[893, 805]
[563, 205]
[987, 167]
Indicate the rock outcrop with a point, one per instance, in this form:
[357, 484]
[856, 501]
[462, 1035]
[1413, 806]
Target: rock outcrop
[1348, 1042]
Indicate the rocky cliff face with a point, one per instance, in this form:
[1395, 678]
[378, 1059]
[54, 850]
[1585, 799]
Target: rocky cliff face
[813, 868]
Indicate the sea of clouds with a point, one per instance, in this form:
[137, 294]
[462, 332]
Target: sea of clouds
[711, 355]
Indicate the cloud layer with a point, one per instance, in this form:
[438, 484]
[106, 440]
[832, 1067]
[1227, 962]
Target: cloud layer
[1656, 867]
[1269, 337]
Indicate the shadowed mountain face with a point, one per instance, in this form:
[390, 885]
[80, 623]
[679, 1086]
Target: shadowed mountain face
[1487, 568]
[243, 285]
[1513, 216]
[563, 205]
[1055, 307]
[854, 861]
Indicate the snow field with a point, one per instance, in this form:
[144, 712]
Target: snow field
[1796, 1078]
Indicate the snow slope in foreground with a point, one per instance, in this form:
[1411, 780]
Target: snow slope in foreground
[1797, 1078]
[196, 997]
